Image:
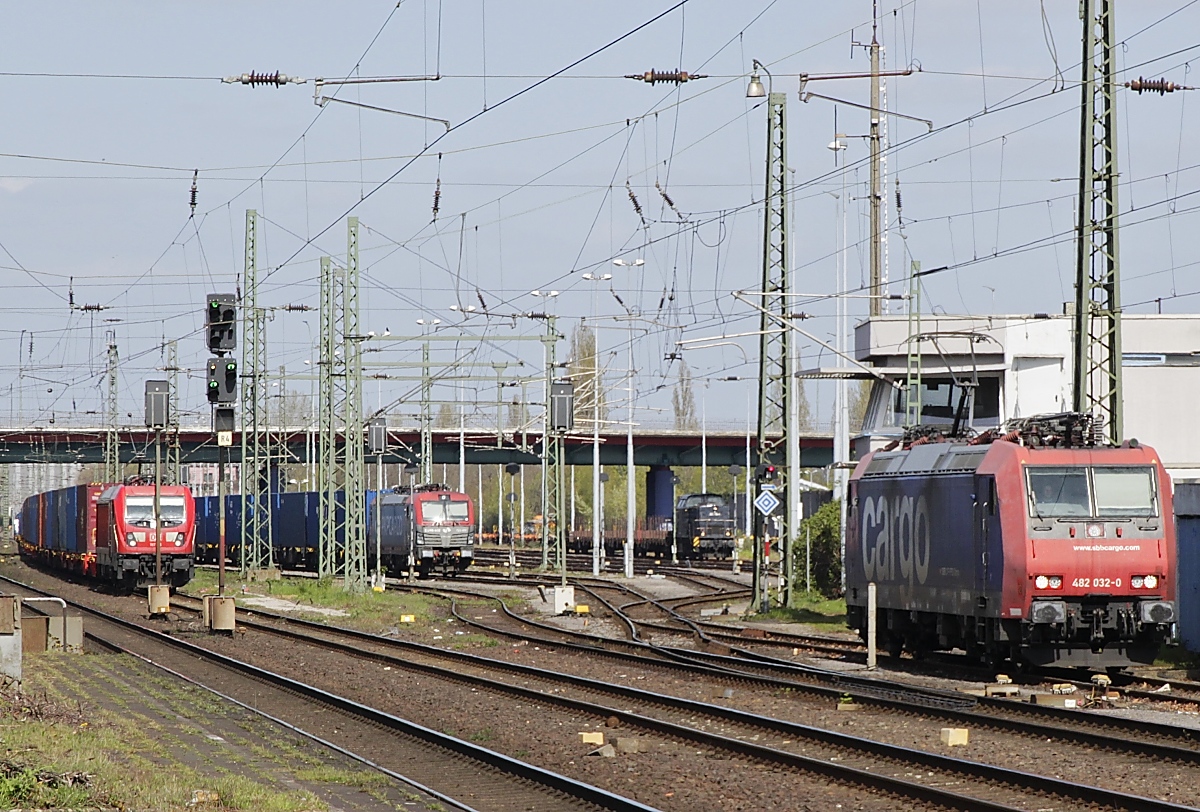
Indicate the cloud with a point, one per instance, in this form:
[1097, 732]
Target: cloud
[15, 185]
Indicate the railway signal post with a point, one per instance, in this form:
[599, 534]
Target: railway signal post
[220, 320]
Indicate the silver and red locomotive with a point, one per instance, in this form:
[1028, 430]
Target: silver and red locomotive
[1038, 546]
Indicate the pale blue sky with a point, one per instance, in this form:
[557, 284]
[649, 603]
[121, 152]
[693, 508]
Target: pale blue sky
[95, 172]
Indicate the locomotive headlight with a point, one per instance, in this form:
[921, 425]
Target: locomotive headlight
[1041, 582]
[1151, 581]
[130, 539]
[1137, 582]
[1056, 582]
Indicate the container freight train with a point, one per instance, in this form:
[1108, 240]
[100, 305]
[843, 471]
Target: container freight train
[428, 529]
[439, 520]
[108, 532]
[1039, 547]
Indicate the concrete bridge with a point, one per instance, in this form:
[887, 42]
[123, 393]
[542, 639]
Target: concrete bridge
[473, 446]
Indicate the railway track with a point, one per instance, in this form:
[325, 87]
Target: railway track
[1090, 729]
[740, 729]
[444, 766]
[737, 733]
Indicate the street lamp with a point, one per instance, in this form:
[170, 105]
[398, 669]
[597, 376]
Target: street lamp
[755, 89]
[674, 520]
[620, 263]
[591, 277]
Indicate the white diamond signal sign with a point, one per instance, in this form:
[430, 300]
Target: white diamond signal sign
[766, 503]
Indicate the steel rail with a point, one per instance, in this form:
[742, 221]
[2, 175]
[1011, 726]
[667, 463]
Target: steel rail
[993, 774]
[506, 765]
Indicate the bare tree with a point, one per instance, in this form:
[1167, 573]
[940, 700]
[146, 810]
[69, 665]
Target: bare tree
[683, 400]
[584, 368]
[446, 419]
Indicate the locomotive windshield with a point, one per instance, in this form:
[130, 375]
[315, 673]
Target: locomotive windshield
[440, 512]
[139, 511]
[1109, 492]
[701, 500]
[1125, 491]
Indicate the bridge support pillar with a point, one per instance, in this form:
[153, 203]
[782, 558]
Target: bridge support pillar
[660, 492]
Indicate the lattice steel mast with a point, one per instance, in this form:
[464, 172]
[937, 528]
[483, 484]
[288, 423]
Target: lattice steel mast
[330, 468]
[774, 360]
[554, 504]
[257, 554]
[112, 448]
[426, 416]
[173, 471]
[1097, 332]
[352, 338]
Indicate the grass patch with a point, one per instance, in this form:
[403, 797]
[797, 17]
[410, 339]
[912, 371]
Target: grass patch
[814, 610]
[29, 787]
[1177, 657]
[63, 755]
[485, 734]
[359, 779]
[363, 608]
[473, 641]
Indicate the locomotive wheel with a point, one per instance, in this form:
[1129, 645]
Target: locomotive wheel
[894, 646]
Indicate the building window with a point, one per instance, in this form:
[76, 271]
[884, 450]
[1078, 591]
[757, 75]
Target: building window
[941, 398]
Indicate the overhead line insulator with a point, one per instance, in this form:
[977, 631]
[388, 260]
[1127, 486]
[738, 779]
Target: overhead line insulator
[255, 79]
[653, 77]
[1159, 86]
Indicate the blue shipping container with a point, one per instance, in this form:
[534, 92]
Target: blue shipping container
[68, 520]
[1187, 580]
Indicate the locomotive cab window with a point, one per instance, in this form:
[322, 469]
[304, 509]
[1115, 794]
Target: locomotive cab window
[1059, 492]
[139, 511]
[447, 511]
[1124, 492]
[1104, 492]
[700, 500]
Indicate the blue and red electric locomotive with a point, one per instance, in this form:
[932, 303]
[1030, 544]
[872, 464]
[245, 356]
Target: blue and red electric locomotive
[1038, 546]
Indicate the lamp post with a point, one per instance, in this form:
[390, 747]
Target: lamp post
[630, 468]
[512, 469]
[157, 417]
[674, 521]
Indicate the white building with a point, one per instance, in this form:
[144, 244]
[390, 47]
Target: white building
[1022, 367]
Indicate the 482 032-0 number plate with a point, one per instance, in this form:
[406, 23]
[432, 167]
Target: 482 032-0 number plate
[1096, 583]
